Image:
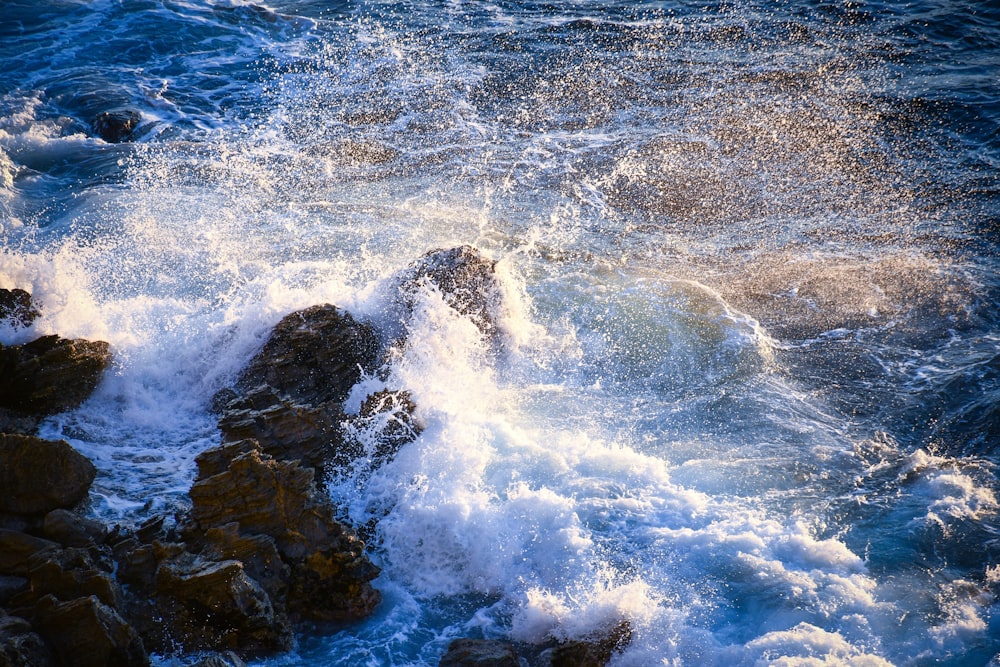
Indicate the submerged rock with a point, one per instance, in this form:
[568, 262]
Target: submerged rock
[50, 374]
[38, 476]
[116, 126]
[480, 653]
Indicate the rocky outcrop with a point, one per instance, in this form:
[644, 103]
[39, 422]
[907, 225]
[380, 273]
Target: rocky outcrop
[313, 356]
[50, 374]
[38, 476]
[20, 645]
[274, 506]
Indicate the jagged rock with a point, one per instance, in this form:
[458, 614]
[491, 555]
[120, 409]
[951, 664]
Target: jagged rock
[227, 659]
[50, 374]
[72, 530]
[17, 306]
[286, 430]
[213, 604]
[11, 587]
[20, 646]
[258, 553]
[313, 356]
[480, 653]
[16, 550]
[465, 278]
[593, 651]
[88, 633]
[384, 423]
[67, 574]
[116, 126]
[38, 476]
[329, 574]
[12, 421]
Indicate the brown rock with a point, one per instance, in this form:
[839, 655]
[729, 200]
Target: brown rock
[286, 430]
[88, 633]
[16, 550]
[38, 476]
[67, 574]
[50, 374]
[480, 653]
[329, 575]
[313, 356]
[72, 530]
[593, 651]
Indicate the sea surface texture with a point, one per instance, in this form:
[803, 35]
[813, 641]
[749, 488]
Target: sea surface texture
[747, 393]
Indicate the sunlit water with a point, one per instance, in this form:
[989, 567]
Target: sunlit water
[747, 393]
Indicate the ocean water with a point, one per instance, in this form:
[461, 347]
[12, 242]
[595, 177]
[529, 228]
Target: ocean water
[748, 392]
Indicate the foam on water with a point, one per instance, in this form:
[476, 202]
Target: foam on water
[729, 308]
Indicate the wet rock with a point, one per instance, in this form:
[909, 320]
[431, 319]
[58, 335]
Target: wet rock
[286, 430]
[20, 646]
[384, 423]
[17, 306]
[465, 278]
[88, 633]
[50, 374]
[72, 530]
[116, 126]
[595, 651]
[480, 653]
[213, 604]
[258, 553]
[328, 573]
[227, 659]
[38, 476]
[313, 356]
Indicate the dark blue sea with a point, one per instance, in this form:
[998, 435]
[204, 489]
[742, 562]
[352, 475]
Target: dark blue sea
[749, 396]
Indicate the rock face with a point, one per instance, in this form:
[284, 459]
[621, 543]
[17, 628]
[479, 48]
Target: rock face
[50, 374]
[38, 476]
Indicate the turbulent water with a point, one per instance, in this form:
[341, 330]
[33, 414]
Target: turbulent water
[748, 396]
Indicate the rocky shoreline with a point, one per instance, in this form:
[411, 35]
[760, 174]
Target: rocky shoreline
[259, 555]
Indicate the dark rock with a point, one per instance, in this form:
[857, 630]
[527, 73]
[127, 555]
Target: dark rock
[16, 550]
[313, 356]
[286, 430]
[10, 587]
[116, 126]
[465, 278]
[38, 476]
[88, 633]
[480, 653]
[17, 306]
[50, 374]
[594, 651]
[137, 565]
[258, 553]
[72, 530]
[384, 423]
[67, 574]
[12, 421]
[213, 604]
[20, 646]
[227, 659]
[329, 574]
